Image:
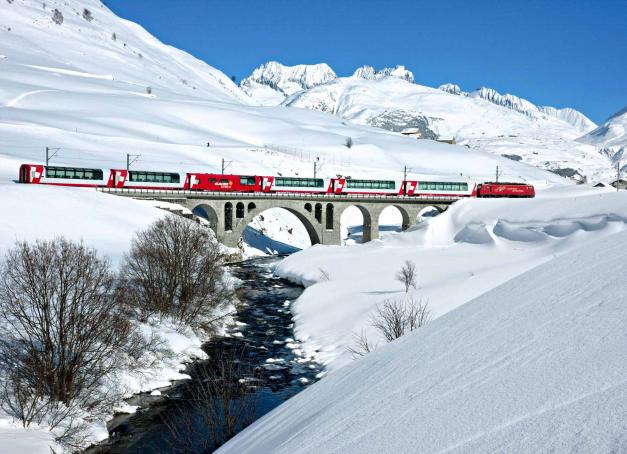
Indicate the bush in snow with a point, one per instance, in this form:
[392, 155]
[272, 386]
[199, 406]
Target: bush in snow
[114, 37]
[395, 318]
[149, 90]
[407, 275]
[174, 269]
[349, 142]
[87, 15]
[57, 17]
[65, 334]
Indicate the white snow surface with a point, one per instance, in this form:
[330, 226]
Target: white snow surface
[484, 119]
[611, 136]
[537, 364]
[469, 249]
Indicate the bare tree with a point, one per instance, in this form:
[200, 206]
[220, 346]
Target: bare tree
[222, 399]
[407, 275]
[324, 275]
[349, 142]
[399, 316]
[174, 269]
[65, 334]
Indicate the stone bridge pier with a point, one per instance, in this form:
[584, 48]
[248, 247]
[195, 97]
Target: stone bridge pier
[228, 217]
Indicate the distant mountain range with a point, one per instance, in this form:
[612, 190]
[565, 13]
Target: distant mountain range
[557, 139]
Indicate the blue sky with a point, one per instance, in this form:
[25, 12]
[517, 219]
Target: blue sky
[560, 53]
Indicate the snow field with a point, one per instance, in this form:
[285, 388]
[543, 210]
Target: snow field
[469, 249]
[537, 364]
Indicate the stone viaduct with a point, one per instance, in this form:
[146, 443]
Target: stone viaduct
[229, 213]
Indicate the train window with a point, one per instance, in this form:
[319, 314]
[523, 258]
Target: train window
[223, 180]
[370, 184]
[212, 180]
[154, 177]
[73, 173]
[247, 180]
[299, 182]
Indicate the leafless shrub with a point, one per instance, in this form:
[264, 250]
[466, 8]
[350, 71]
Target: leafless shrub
[407, 275]
[65, 334]
[149, 90]
[223, 402]
[87, 15]
[114, 36]
[57, 17]
[362, 345]
[399, 316]
[349, 142]
[174, 269]
[395, 318]
[324, 275]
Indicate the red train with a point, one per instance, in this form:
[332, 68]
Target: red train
[139, 179]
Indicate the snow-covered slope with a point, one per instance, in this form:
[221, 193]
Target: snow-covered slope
[538, 364]
[611, 137]
[469, 249]
[500, 124]
[272, 82]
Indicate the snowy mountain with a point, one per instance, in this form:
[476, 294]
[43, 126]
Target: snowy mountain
[501, 124]
[611, 137]
[369, 73]
[272, 82]
[569, 115]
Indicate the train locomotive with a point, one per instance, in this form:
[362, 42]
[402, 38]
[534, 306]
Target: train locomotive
[139, 179]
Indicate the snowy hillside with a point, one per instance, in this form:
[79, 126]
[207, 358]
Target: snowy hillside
[469, 249]
[611, 137]
[485, 120]
[535, 365]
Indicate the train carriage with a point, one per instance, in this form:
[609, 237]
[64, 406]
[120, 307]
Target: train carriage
[63, 176]
[505, 190]
[222, 183]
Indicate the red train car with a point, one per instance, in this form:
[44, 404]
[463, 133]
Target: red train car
[223, 183]
[505, 190]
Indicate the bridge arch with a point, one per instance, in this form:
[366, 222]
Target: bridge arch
[207, 212]
[347, 216]
[429, 211]
[306, 220]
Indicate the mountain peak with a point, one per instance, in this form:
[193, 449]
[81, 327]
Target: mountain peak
[288, 79]
[369, 73]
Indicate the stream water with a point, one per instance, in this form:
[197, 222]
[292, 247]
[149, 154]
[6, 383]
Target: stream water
[260, 349]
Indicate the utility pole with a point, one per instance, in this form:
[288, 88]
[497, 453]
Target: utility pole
[130, 161]
[316, 166]
[225, 165]
[498, 174]
[50, 156]
[404, 183]
[617, 175]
